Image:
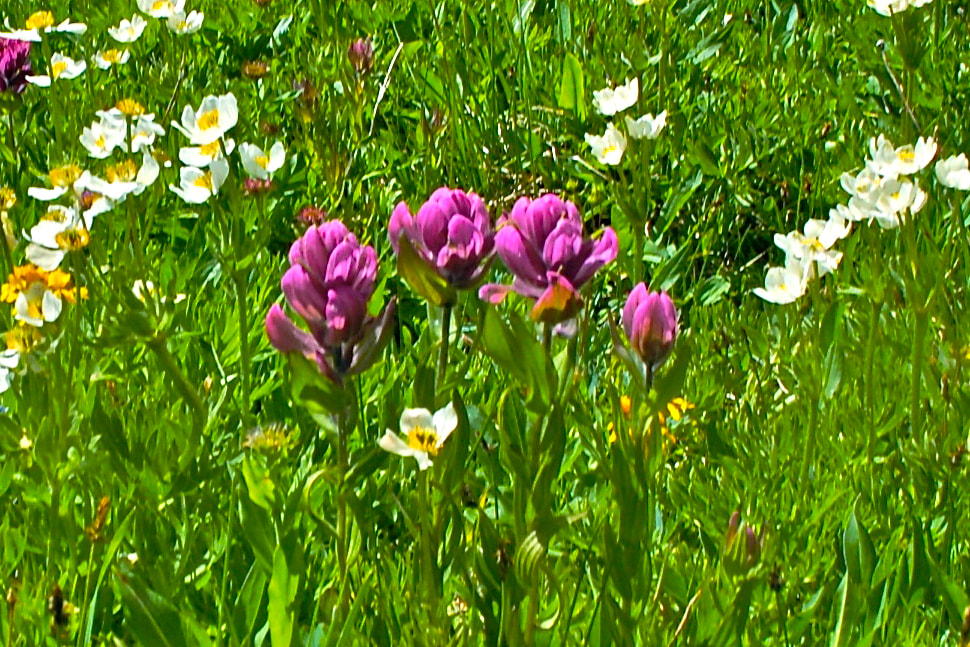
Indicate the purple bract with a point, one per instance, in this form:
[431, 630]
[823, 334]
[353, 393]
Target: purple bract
[650, 323]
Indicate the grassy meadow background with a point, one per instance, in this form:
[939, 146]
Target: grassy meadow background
[837, 426]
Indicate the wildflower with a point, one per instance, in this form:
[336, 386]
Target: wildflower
[203, 156]
[611, 101]
[785, 284]
[608, 148]
[890, 162]
[129, 108]
[214, 117]
[128, 31]
[106, 58]
[61, 179]
[8, 199]
[123, 179]
[43, 21]
[739, 557]
[103, 136]
[952, 172]
[255, 69]
[38, 295]
[650, 323]
[62, 67]
[646, 126]
[361, 55]
[329, 282]
[271, 437]
[816, 243]
[142, 289]
[451, 233]
[9, 359]
[254, 186]
[14, 65]
[160, 8]
[52, 238]
[197, 185]
[542, 243]
[424, 434]
[259, 164]
[183, 25]
[892, 7]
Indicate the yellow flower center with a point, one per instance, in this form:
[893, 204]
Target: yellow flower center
[209, 119]
[210, 150]
[73, 239]
[112, 55]
[21, 279]
[58, 68]
[59, 282]
[907, 156]
[425, 440]
[204, 181]
[262, 160]
[130, 107]
[158, 5]
[100, 143]
[122, 172]
[40, 20]
[65, 175]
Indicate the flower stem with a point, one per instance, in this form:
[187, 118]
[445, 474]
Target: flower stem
[85, 608]
[916, 411]
[244, 360]
[870, 388]
[157, 345]
[443, 353]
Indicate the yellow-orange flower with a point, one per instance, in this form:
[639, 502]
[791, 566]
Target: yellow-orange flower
[22, 278]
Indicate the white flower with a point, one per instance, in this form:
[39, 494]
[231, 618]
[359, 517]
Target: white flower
[260, 165]
[44, 21]
[814, 246]
[197, 185]
[102, 137]
[784, 284]
[891, 7]
[184, 25]
[892, 162]
[646, 126]
[123, 179]
[160, 8]
[143, 132]
[608, 148]
[62, 67]
[952, 172]
[37, 305]
[61, 231]
[610, 102]
[202, 156]
[423, 433]
[106, 58]
[128, 31]
[62, 179]
[214, 117]
[895, 198]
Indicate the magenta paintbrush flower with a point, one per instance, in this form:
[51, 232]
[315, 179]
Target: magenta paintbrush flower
[329, 282]
[14, 65]
[452, 235]
[542, 243]
[650, 323]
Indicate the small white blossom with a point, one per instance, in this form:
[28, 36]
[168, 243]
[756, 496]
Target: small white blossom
[423, 434]
[610, 101]
[260, 165]
[646, 126]
[608, 148]
[128, 31]
[952, 172]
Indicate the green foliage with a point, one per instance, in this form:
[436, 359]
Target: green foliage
[181, 483]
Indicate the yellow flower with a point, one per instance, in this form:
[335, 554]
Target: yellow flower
[20, 280]
[7, 198]
[130, 107]
[22, 338]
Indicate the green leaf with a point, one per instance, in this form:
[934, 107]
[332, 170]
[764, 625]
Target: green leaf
[514, 348]
[314, 391]
[572, 86]
[282, 592]
[152, 620]
[261, 488]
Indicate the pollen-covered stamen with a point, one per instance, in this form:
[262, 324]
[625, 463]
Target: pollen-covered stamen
[210, 150]
[159, 5]
[73, 239]
[22, 338]
[204, 181]
[907, 156]
[58, 68]
[40, 20]
[262, 160]
[112, 55]
[209, 119]
[425, 440]
[64, 176]
[122, 172]
[130, 107]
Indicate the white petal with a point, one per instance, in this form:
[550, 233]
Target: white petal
[445, 422]
[412, 418]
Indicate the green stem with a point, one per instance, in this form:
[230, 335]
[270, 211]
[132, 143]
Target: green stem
[443, 353]
[342, 501]
[244, 358]
[85, 609]
[870, 387]
[662, 65]
[916, 411]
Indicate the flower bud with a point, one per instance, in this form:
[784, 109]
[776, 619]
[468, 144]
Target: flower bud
[14, 65]
[361, 55]
[650, 323]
